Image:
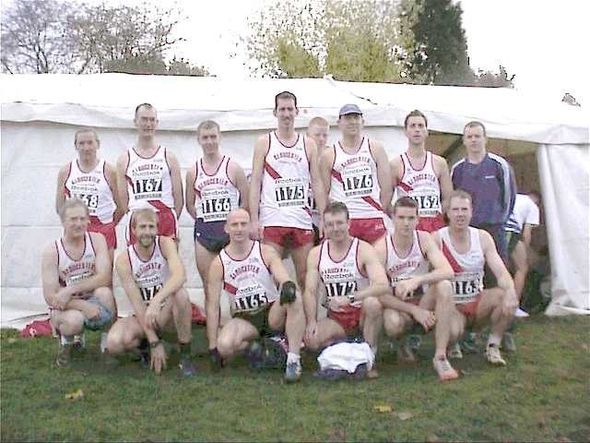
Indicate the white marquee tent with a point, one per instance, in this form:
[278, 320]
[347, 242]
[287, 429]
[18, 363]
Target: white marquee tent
[41, 112]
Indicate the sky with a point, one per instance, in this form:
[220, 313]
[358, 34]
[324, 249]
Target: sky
[540, 41]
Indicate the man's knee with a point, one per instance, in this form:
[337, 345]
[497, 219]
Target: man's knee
[393, 323]
[69, 322]
[181, 299]
[225, 345]
[372, 307]
[115, 341]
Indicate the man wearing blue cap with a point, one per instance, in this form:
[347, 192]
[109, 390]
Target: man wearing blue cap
[356, 172]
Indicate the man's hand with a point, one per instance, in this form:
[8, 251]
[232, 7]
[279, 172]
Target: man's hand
[310, 330]
[91, 310]
[62, 297]
[510, 301]
[405, 288]
[337, 303]
[425, 317]
[158, 358]
[288, 293]
[151, 314]
[256, 231]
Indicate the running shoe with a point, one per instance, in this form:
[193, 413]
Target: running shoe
[444, 369]
[493, 355]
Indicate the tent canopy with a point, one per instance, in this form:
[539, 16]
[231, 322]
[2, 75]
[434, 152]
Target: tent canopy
[41, 112]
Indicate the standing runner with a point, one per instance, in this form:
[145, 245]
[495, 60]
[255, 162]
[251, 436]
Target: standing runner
[148, 176]
[422, 175]
[356, 173]
[215, 186]
[283, 167]
[317, 129]
[93, 181]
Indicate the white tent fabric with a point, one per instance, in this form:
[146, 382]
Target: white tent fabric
[40, 114]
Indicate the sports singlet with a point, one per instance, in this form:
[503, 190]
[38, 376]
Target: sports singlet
[92, 188]
[342, 277]
[468, 267]
[422, 185]
[216, 195]
[248, 282]
[403, 268]
[149, 275]
[354, 181]
[285, 185]
[149, 181]
[73, 270]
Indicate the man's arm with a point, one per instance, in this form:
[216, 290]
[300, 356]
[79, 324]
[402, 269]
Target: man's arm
[526, 234]
[325, 170]
[111, 177]
[395, 166]
[383, 174]
[375, 271]
[49, 276]
[215, 284]
[176, 182]
[238, 177]
[316, 180]
[123, 267]
[60, 196]
[176, 276]
[122, 182]
[497, 266]
[441, 269]
[260, 150]
[189, 190]
[444, 178]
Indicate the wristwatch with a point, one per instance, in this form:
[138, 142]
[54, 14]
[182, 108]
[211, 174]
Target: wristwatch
[155, 344]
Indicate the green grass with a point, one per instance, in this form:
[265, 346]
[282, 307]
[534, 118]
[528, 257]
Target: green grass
[542, 395]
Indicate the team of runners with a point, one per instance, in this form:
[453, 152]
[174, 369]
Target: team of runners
[327, 207]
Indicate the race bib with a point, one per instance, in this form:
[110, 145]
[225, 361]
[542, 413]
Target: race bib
[290, 192]
[216, 205]
[250, 298]
[466, 286]
[357, 181]
[336, 289]
[149, 292]
[147, 188]
[428, 203]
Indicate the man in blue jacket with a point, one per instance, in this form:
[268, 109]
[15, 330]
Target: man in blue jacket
[489, 179]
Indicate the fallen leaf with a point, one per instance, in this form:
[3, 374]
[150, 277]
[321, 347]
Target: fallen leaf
[76, 395]
[404, 415]
[383, 408]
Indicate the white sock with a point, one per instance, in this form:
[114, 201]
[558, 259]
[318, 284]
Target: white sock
[66, 339]
[292, 358]
[494, 340]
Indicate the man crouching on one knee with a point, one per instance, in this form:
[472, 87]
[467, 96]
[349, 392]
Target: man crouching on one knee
[152, 276]
[77, 275]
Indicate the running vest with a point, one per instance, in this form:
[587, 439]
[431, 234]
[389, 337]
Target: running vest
[422, 185]
[71, 270]
[92, 188]
[341, 277]
[248, 282]
[149, 275]
[285, 185]
[354, 181]
[403, 268]
[216, 195]
[468, 267]
[149, 182]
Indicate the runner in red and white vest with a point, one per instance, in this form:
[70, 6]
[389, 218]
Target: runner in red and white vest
[152, 275]
[77, 277]
[93, 181]
[356, 173]
[148, 176]
[249, 273]
[468, 250]
[419, 296]
[422, 175]
[215, 186]
[353, 280]
[283, 167]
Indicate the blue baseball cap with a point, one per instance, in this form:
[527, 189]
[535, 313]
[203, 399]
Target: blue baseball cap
[349, 109]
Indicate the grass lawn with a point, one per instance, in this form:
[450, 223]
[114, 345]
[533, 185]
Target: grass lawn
[542, 395]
